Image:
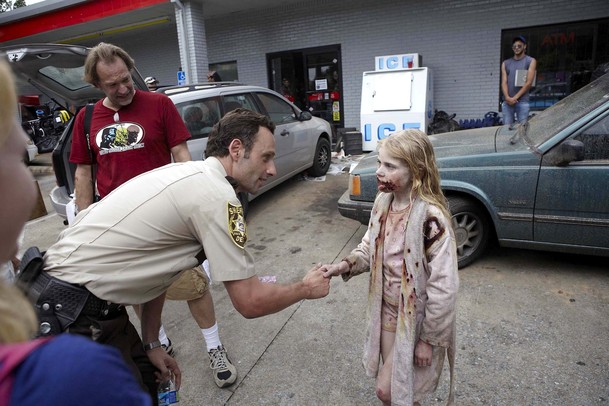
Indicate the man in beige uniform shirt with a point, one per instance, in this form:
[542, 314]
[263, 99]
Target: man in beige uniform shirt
[131, 246]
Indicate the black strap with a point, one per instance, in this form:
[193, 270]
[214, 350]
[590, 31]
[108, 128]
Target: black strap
[88, 116]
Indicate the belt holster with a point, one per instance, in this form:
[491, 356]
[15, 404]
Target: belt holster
[56, 303]
[59, 303]
[30, 268]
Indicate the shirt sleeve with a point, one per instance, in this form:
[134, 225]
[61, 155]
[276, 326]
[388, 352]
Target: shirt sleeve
[442, 285]
[359, 258]
[79, 153]
[222, 229]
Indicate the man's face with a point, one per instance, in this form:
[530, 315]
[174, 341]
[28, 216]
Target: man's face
[18, 194]
[518, 47]
[116, 82]
[253, 171]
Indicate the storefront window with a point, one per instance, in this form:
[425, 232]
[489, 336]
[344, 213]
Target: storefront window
[226, 70]
[567, 55]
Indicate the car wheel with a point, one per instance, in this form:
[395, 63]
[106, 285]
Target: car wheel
[472, 229]
[322, 158]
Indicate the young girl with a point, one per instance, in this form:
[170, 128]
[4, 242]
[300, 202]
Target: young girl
[410, 251]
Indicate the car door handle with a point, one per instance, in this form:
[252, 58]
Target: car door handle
[285, 132]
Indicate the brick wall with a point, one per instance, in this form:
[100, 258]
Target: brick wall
[459, 41]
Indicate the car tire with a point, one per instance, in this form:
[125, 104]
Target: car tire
[322, 158]
[472, 229]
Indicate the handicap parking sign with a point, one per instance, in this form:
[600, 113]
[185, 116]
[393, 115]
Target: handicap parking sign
[181, 78]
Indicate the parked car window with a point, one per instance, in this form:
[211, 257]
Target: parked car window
[596, 140]
[200, 116]
[279, 111]
[235, 101]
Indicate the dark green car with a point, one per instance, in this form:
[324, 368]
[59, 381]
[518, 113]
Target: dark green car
[543, 185]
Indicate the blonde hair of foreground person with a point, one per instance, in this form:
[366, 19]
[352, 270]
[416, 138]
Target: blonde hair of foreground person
[8, 102]
[17, 318]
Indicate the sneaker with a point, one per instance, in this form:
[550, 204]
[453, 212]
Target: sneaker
[225, 373]
[169, 348]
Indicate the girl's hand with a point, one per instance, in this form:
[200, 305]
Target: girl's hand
[330, 270]
[422, 354]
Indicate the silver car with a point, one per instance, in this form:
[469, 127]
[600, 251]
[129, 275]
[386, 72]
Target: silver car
[303, 142]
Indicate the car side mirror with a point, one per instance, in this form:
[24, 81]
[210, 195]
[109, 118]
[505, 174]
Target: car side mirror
[567, 152]
[305, 116]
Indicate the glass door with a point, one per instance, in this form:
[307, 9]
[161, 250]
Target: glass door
[311, 79]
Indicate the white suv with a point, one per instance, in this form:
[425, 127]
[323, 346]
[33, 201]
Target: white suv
[302, 141]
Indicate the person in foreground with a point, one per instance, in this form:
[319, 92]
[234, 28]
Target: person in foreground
[133, 244]
[409, 250]
[65, 370]
[156, 135]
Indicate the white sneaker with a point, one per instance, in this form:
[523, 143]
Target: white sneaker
[225, 373]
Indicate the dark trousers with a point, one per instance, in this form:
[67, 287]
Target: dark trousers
[118, 332]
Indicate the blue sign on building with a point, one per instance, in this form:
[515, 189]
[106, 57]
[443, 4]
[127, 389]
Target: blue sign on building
[181, 78]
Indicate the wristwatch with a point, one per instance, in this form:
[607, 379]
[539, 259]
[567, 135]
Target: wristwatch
[152, 345]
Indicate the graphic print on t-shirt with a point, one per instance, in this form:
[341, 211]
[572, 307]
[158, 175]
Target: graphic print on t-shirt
[119, 137]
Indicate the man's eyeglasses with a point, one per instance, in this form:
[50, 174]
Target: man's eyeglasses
[516, 46]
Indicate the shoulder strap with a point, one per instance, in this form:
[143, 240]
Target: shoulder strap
[88, 116]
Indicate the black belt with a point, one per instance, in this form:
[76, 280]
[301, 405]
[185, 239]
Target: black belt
[68, 300]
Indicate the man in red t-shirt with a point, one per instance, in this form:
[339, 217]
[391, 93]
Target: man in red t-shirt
[132, 132]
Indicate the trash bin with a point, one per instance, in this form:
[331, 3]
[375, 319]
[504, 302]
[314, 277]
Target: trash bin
[352, 142]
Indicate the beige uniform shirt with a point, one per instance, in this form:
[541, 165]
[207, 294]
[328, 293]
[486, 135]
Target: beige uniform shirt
[132, 245]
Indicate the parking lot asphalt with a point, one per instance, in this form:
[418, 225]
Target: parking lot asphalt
[532, 326]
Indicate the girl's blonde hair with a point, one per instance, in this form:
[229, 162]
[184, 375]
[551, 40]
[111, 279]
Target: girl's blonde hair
[414, 149]
[8, 101]
[17, 319]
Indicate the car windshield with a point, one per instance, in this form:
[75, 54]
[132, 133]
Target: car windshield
[548, 122]
[70, 78]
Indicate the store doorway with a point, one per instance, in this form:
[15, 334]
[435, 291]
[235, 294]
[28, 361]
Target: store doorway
[311, 79]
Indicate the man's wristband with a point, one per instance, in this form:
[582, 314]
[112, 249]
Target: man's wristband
[152, 345]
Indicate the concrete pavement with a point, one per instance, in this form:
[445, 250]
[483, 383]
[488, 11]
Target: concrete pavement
[291, 357]
[529, 323]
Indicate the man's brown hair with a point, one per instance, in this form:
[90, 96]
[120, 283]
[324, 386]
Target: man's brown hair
[107, 53]
[241, 124]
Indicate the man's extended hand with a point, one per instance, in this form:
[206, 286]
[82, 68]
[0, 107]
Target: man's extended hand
[316, 283]
[165, 364]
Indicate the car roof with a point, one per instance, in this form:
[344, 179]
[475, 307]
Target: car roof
[210, 89]
[170, 90]
[57, 70]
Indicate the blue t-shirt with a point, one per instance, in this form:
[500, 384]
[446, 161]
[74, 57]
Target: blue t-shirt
[73, 370]
[511, 66]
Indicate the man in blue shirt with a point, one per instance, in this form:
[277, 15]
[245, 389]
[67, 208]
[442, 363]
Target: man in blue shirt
[516, 95]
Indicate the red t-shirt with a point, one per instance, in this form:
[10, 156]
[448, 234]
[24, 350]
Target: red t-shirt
[127, 143]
